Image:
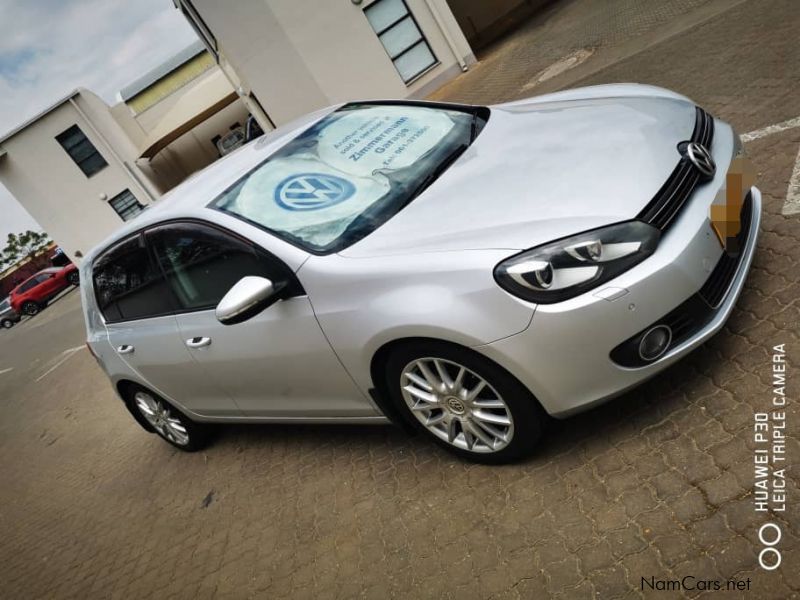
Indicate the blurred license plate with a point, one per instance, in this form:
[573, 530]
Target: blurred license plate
[726, 211]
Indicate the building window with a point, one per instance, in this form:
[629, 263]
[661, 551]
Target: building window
[126, 205]
[401, 37]
[81, 150]
[200, 27]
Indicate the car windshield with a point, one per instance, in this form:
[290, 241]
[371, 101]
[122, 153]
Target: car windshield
[351, 171]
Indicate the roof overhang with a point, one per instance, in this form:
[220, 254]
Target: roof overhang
[39, 115]
[195, 106]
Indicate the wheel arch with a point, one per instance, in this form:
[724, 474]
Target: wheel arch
[125, 388]
[378, 368]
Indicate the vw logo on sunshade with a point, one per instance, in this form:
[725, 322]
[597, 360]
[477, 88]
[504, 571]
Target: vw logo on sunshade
[312, 191]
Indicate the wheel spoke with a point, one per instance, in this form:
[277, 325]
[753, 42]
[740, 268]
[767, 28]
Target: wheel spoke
[481, 435]
[176, 425]
[435, 419]
[419, 381]
[423, 406]
[459, 379]
[473, 393]
[496, 403]
[452, 431]
[421, 395]
[491, 429]
[488, 417]
[430, 377]
[469, 439]
[448, 383]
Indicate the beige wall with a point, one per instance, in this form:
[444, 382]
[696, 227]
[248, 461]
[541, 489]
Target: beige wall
[51, 187]
[301, 55]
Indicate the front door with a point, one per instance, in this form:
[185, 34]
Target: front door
[138, 307]
[276, 364]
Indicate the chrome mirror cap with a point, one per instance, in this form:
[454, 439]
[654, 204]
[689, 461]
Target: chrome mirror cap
[247, 298]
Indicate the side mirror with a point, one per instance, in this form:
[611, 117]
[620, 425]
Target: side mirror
[247, 298]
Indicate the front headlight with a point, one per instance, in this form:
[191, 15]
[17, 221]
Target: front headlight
[566, 268]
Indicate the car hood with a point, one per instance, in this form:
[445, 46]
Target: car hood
[540, 171]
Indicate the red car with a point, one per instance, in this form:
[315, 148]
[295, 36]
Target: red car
[32, 295]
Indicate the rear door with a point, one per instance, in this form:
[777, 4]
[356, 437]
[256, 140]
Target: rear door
[132, 296]
[276, 364]
[48, 285]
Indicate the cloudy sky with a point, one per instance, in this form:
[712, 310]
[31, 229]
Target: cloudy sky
[50, 47]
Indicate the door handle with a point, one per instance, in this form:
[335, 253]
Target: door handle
[125, 349]
[198, 342]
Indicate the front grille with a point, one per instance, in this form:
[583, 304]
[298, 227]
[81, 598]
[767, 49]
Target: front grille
[669, 200]
[696, 312]
[716, 286]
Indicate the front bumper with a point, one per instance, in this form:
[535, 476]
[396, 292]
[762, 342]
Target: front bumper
[564, 355]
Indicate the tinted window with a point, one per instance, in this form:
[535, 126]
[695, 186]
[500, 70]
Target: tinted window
[81, 150]
[401, 37]
[202, 263]
[28, 285]
[126, 205]
[127, 285]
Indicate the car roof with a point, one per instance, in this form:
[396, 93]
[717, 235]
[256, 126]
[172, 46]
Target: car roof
[201, 188]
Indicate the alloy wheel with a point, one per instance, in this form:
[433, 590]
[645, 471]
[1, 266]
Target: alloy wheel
[457, 405]
[30, 308]
[159, 416]
[8, 324]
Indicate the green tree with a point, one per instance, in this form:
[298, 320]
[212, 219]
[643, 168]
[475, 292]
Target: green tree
[22, 245]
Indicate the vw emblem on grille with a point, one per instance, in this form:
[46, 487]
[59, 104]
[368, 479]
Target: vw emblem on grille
[700, 157]
[312, 191]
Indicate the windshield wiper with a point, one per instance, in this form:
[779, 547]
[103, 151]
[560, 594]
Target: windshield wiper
[436, 173]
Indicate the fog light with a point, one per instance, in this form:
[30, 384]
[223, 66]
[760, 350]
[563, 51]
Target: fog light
[655, 342]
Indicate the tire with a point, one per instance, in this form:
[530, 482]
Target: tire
[74, 278]
[166, 421]
[7, 324]
[31, 308]
[501, 423]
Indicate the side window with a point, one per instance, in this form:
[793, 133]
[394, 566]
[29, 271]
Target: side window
[127, 285]
[202, 263]
[82, 151]
[29, 285]
[400, 35]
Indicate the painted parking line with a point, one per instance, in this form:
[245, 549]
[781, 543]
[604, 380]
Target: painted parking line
[770, 129]
[791, 206]
[4, 371]
[65, 356]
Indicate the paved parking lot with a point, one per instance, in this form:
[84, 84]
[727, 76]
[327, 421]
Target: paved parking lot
[657, 483]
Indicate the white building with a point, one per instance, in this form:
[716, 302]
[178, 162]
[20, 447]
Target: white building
[82, 167]
[286, 58]
[73, 169]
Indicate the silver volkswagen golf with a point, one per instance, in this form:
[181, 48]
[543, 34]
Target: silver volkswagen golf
[463, 270]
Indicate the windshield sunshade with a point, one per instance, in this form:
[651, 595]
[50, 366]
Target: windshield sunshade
[351, 171]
